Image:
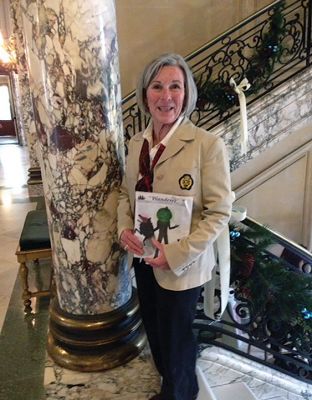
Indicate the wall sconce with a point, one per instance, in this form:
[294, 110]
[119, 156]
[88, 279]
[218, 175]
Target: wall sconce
[7, 55]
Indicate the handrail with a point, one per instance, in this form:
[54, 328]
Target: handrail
[270, 305]
[231, 30]
[228, 55]
[287, 243]
[217, 39]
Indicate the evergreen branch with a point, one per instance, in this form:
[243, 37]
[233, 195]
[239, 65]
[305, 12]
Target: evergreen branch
[219, 95]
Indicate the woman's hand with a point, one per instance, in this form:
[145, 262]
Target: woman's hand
[130, 242]
[160, 261]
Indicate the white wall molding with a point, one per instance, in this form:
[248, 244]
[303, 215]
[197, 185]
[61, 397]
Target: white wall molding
[264, 175]
[280, 195]
[307, 210]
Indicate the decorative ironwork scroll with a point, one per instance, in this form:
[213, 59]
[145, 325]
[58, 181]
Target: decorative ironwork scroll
[281, 32]
[270, 306]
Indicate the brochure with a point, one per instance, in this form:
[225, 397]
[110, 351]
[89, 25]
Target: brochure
[164, 217]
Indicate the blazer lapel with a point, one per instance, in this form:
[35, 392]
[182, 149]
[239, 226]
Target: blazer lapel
[137, 145]
[184, 133]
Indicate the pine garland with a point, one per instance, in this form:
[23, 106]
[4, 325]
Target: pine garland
[280, 294]
[260, 66]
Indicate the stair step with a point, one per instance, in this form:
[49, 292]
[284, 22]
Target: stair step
[205, 393]
[238, 390]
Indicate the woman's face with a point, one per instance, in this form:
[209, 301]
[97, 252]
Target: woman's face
[165, 95]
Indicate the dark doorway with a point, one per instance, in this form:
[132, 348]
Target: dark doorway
[7, 116]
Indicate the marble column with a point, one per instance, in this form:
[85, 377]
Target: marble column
[74, 77]
[23, 103]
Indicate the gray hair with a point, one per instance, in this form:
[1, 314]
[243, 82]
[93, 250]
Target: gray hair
[152, 69]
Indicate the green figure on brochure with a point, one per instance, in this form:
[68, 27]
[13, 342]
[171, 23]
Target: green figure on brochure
[164, 216]
[146, 228]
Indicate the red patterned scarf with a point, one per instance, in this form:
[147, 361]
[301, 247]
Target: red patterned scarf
[145, 184]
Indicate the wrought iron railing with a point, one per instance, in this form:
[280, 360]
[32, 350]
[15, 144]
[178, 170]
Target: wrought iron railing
[254, 322]
[231, 55]
[269, 315]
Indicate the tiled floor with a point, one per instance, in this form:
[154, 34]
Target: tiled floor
[26, 373]
[14, 205]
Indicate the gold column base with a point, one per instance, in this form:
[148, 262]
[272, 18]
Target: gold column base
[91, 343]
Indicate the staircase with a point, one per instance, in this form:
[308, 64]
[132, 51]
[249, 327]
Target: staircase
[268, 317]
[234, 55]
[280, 136]
[231, 391]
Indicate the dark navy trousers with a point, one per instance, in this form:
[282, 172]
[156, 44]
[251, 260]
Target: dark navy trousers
[168, 317]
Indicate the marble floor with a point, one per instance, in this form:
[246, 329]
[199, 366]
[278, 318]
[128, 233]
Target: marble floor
[27, 373]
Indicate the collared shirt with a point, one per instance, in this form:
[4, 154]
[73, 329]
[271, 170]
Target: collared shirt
[148, 135]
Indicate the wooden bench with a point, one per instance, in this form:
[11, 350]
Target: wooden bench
[34, 244]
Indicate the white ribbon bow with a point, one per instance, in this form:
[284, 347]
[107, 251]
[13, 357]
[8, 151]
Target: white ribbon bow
[220, 280]
[220, 277]
[240, 89]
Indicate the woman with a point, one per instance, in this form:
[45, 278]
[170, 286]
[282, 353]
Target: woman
[173, 156]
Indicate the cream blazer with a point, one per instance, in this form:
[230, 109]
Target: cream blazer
[194, 163]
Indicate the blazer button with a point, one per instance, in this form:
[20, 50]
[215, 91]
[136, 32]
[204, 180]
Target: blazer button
[159, 177]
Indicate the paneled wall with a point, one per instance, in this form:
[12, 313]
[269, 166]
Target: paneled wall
[276, 187]
[147, 28]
